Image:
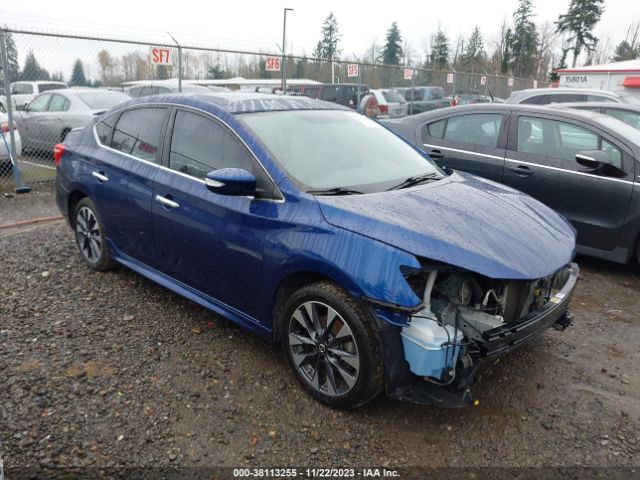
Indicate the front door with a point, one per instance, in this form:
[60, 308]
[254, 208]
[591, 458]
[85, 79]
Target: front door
[210, 242]
[541, 162]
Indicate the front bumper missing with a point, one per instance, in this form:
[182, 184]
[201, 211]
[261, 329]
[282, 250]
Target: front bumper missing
[402, 385]
[513, 335]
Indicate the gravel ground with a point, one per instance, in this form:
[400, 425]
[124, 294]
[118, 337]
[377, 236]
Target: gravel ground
[109, 371]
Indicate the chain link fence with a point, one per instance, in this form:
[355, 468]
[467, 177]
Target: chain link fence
[52, 83]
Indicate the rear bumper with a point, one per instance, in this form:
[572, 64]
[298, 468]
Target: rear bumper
[513, 335]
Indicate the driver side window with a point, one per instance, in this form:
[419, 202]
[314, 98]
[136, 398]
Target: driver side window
[200, 145]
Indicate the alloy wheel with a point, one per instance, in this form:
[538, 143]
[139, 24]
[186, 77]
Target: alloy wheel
[323, 349]
[88, 235]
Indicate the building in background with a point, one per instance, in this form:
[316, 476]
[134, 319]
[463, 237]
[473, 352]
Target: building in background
[619, 77]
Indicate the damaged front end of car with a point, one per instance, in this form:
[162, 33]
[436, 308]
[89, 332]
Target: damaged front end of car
[464, 318]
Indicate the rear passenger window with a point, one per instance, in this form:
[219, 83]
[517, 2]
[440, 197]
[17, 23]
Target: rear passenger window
[104, 129]
[478, 129]
[433, 130]
[59, 104]
[137, 132]
[200, 145]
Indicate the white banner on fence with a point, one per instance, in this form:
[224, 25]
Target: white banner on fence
[483, 80]
[510, 82]
[408, 73]
[272, 64]
[352, 70]
[449, 77]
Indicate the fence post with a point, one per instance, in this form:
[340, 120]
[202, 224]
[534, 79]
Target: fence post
[179, 62]
[20, 188]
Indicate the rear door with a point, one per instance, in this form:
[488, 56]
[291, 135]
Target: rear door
[121, 172]
[470, 142]
[210, 242]
[541, 162]
[34, 122]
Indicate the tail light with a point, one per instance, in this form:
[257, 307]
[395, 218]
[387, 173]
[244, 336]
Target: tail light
[5, 127]
[58, 152]
[384, 109]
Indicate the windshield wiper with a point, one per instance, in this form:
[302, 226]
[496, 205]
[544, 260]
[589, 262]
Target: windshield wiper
[335, 191]
[411, 181]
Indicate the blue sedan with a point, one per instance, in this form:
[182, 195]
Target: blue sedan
[319, 229]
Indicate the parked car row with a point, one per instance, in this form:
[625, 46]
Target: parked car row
[582, 163]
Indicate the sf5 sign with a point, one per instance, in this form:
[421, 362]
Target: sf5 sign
[161, 55]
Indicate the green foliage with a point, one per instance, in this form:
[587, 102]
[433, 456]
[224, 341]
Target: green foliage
[474, 54]
[439, 57]
[161, 72]
[77, 76]
[578, 23]
[328, 46]
[32, 70]
[12, 60]
[523, 42]
[215, 72]
[392, 50]
[624, 51]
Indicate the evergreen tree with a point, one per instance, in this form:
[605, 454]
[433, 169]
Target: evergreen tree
[578, 23]
[32, 70]
[327, 47]
[161, 72]
[624, 51]
[215, 72]
[77, 76]
[523, 41]
[12, 60]
[392, 50]
[439, 57]
[474, 51]
[506, 53]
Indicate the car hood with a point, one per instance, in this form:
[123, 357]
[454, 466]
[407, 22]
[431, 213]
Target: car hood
[462, 220]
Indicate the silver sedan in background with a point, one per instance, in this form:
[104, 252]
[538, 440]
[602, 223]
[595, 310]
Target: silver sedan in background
[48, 118]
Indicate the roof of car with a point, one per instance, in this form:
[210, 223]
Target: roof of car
[558, 91]
[241, 102]
[614, 105]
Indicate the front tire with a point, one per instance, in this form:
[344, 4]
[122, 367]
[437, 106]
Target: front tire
[90, 239]
[331, 346]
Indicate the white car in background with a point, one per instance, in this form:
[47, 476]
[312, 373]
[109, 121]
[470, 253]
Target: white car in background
[23, 92]
[390, 103]
[5, 158]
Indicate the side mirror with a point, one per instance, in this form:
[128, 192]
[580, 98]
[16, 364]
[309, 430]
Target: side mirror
[231, 181]
[594, 159]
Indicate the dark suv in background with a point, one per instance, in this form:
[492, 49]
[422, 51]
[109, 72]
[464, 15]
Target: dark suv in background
[341, 93]
[424, 99]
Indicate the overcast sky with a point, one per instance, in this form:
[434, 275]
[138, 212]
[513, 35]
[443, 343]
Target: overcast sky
[257, 24]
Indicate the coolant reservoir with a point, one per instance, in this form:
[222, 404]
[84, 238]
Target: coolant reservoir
[427, 347]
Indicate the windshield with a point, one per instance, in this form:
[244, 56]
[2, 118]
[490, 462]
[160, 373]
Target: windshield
[102, 100]
[391, 96]
[625, 130]
[326, 149]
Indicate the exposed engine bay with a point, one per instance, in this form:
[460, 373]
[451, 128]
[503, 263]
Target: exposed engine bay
[465, 315]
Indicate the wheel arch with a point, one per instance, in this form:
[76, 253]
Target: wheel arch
[74, 197]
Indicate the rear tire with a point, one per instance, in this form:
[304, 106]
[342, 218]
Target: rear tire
[90, 239]
[331, 346]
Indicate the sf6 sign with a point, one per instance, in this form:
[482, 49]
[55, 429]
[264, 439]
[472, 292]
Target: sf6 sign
[161, 55]
[272, 64]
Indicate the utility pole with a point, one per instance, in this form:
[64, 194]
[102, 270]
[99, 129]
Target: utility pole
[284, 53]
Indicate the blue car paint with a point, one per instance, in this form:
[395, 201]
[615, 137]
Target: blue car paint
[357, 241]
[462, 220]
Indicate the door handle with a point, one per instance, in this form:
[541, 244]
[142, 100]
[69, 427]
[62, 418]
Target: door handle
[522, 170]
[100, 176]
[436, 154]
[165, 202]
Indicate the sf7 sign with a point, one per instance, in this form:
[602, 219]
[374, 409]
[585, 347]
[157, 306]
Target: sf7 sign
[272, 64]
[161, 55]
